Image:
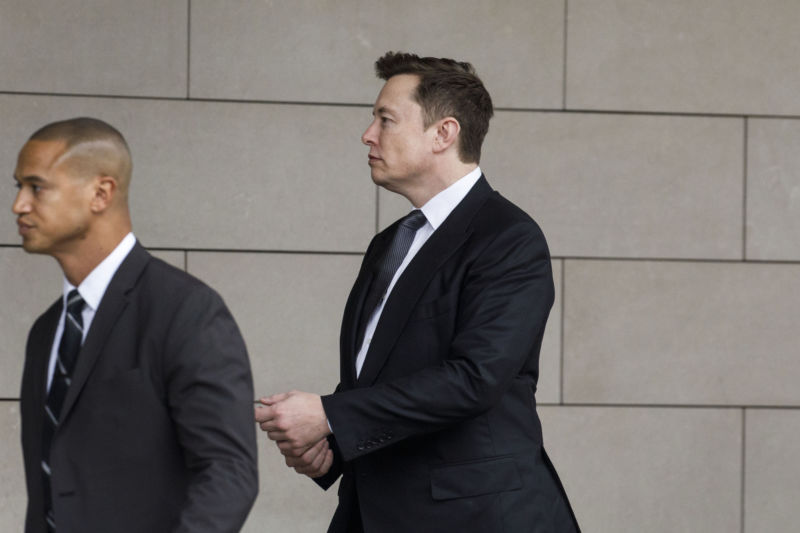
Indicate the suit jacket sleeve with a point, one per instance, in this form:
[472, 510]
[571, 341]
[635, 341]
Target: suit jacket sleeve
[503, 305]
[209, 396]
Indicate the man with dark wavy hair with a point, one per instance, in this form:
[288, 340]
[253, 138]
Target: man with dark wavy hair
[433, 427]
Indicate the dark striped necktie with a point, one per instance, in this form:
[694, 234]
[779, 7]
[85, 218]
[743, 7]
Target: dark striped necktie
[388, 266]
[68, 350]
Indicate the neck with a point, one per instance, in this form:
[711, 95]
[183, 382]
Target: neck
[440, 179]
[79, 263]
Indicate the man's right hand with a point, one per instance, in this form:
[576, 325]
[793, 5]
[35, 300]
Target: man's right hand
[315, 462]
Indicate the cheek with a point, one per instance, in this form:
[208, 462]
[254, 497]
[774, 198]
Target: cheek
[65, 210]
[396, 145]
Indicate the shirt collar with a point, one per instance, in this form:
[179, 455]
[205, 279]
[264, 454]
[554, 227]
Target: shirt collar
[95, 284]
[437, 209]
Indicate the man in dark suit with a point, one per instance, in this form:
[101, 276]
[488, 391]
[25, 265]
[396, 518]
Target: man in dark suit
[433, 427]
[137, 393]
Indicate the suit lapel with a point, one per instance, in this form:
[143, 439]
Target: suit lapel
[405, 295]
[111, 306]
[38, 358]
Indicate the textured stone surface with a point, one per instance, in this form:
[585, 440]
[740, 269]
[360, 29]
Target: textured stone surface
[773, 190]
[94, 47]
[30, 284]
[716, 56]
[772, 470]
[681, 333]
[13, 497]
[659, 470]
[308, 50]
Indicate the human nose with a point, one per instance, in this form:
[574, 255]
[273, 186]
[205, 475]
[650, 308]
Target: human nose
[368, 137]
[21, 203]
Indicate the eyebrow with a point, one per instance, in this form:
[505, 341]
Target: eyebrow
[383, 109]
[30, 179]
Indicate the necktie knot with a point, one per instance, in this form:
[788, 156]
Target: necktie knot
[414, 220]
[74, 303]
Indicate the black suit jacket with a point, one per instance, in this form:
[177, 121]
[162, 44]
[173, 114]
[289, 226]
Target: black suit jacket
[156, 432]
[440, 433]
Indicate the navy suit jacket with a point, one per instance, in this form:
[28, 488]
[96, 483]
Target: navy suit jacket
[156, 432]
[440, 431]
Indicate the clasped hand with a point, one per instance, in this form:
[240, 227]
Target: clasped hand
[297, 423]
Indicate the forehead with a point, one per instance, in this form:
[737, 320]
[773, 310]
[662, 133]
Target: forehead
[398, 91]
[39, 156]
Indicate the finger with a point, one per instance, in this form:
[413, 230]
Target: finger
[303, 460]
[294, 462]
[326, 464]
[315, 454]
[275, 398]
[309, 460]
[263, 413]
[278, 436]
[319, 458]
[323, 469]
[289, 448]
[271, 425]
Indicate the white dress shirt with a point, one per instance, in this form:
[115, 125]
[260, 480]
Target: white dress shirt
[91, 289]
[436, 210]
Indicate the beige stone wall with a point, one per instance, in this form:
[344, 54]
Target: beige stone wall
[655, 142]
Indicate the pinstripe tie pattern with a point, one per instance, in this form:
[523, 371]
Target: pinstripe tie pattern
[389, 265]
[68, 350]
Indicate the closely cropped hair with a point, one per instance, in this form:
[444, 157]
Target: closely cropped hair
[447, 88]
[79, 130]
[86, 130]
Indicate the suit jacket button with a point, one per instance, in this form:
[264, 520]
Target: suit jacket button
[360, 447]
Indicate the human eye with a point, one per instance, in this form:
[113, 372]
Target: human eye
[34, 187]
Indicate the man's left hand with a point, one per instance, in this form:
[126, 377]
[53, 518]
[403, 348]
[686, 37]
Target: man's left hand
[295, 420]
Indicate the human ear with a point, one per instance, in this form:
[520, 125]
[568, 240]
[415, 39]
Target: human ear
[103, 190]
[447, 131]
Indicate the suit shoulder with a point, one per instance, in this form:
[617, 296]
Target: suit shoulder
[498, 214]
[46, 320]
[170, 281]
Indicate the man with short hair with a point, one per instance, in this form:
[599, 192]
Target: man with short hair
[433, 427]
[136, 394]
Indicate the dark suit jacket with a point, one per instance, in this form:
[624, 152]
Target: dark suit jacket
[156, 431]
[440, 433]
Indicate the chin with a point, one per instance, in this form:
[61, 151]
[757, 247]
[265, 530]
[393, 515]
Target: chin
[377, 179]
[33, 248]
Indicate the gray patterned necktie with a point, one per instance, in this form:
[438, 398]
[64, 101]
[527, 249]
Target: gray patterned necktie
[68, 350]
[388, 266]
